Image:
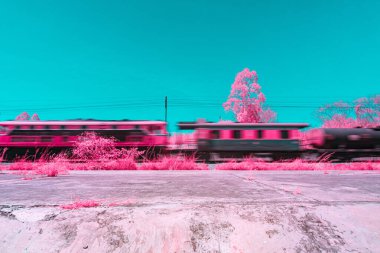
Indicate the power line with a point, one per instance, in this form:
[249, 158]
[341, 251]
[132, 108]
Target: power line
[176, 102]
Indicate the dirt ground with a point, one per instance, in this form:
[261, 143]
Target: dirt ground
[192, 211]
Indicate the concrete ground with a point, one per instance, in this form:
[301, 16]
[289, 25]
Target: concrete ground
[193, 211]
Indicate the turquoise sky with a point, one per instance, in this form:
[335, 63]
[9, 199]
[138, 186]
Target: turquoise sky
[118, 59]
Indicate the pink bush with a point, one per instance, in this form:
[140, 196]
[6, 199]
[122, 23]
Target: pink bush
[90, 146]
[246, 100]
[99, 153]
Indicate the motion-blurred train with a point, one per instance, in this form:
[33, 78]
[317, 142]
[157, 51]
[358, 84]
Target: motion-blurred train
[210, 141]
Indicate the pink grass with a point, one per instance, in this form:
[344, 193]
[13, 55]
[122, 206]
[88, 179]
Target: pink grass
[78, 204]
[122, 203]
[81, 204]
[297, 165]
[174, 163]
[41, 167]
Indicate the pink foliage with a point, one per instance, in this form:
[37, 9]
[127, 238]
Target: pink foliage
[174, 163]
[246, 100]
[340, 121]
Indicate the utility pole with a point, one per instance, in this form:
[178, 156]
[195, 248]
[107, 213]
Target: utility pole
[166, 109]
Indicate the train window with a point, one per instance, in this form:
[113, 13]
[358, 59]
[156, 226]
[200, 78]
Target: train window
[137, 126]
[31, 127]
[46, 139]
[23, 139]
[215, 134]
[83, 127]
[236, 134]
[62, 127]
[46, 127]
[259, 134]
[284, 134]
[154, 129]
[114, 127]
[3, 130]
[17, 127]
[135, 139]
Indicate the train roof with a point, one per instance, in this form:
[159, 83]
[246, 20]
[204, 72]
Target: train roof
[82, 122]
[236, 125]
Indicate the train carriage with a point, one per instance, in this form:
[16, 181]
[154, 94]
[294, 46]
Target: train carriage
[26, 137]
[233, 140]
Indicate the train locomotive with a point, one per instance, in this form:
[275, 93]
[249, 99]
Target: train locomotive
[212, 142]
[345, 144]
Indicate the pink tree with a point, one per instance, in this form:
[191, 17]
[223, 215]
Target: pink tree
[23, 117]
[35, 117]
[364, 112]
[367, 111]
[246, 100]
[337, 115]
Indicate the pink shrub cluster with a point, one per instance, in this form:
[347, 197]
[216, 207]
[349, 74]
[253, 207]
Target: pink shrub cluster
[297, 164]
[246, 99]
[174, 163]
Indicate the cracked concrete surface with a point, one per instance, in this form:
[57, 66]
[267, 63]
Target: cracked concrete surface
[193, 211]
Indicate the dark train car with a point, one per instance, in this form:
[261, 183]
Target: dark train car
[275, 140]
[27, 137]
[346, 143]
